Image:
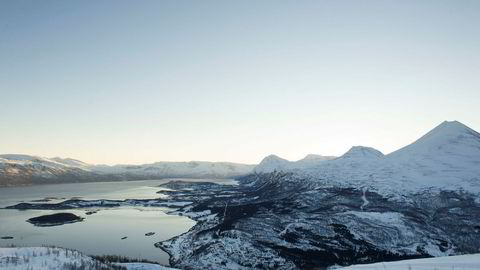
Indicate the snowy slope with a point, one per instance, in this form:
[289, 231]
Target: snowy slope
[48, 258]
[362, 152]
[45, 258]
[273, 163]
[464, 262]
[143, 266]
[56, 163]
[25, 169]
[447, 157]
[178, 169]
[315, 157]
[71, 162]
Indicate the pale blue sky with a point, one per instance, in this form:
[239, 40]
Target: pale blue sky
[143, 81]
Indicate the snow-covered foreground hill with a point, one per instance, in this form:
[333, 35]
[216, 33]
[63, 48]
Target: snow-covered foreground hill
[462, 262]
[49, 258]
[25, 169]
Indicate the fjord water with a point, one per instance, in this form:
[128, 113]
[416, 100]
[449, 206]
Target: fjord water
[99, 233]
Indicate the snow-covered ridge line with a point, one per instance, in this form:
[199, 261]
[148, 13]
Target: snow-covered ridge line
[464, 262]
[273, 163]
[25, 169]
[447, 157]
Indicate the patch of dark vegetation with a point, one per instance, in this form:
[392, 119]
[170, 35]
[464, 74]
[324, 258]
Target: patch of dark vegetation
[55, 219]
[121, 259]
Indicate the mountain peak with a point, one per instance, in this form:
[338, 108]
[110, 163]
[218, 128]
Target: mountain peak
[70, 162]
[271, 163]
[450, 137]
[362, 152]
[273, 159]
[311, 157]
[449, 128]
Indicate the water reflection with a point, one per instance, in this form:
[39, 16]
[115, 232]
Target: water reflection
[101, 232]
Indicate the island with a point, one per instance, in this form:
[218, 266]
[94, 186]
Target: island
[55, 219]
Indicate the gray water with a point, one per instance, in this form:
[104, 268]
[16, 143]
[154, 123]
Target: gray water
[99, 233]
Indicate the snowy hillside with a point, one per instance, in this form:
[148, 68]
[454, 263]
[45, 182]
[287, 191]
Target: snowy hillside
[362, 152]
[273, 163]
[71, 162]
[463, 262]
[178, 169]
[45, 258]
[25, 169]
[447, 157]
[48, 258]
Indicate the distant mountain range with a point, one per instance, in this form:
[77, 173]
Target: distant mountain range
[448, 155]
[26, 170]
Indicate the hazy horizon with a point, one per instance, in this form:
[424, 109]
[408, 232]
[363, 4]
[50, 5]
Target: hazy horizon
[124, 82]
[246, 163]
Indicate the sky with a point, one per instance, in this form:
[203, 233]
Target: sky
[142, 81]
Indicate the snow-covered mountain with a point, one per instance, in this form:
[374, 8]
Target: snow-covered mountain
[25, 169]
[362, 153]
[197, 169]
[273, 163]
[447, 157]
[71, 162]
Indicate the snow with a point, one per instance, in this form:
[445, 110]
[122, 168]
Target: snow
[311, 157]
[358, 152]
[48, 258]
[143, 266]
[32, 160]
[42, 258]
[71, 162]
[364, 199]
[19, 169]
[25, 166]
[179, 169]
[447, 157]
[273, 163]
[392, 218]
[463, 262]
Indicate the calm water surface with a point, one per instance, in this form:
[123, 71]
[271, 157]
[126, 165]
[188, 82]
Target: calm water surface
[101, 232]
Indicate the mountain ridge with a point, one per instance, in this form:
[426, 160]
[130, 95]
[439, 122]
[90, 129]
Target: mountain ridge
[16, 169]
[449, 151]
